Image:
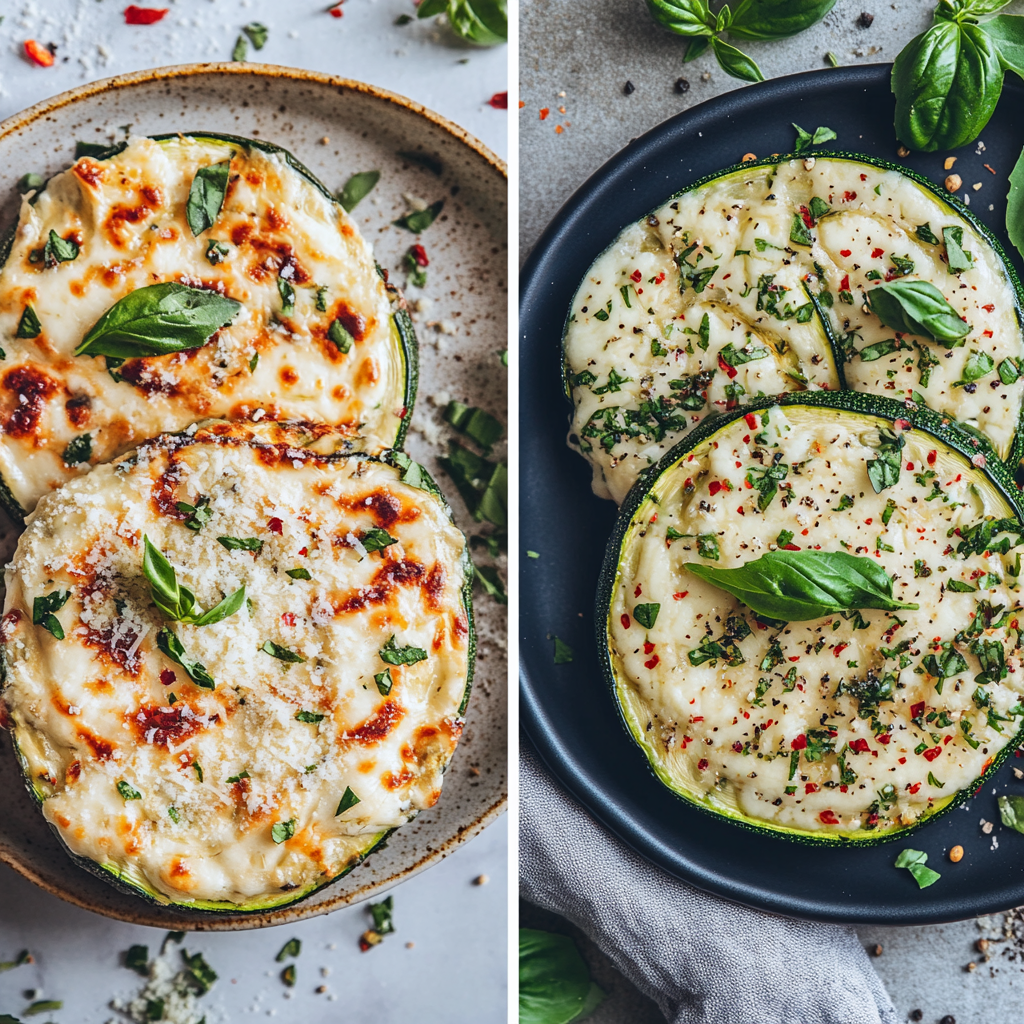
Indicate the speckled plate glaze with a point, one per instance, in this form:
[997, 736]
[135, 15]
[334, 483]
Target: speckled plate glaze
[335, 127]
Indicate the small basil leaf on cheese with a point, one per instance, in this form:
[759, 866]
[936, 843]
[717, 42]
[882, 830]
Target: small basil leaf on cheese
[914, 862]
[392, 654]
[78, 450]
[646, 614]
[244, 774]
[884, 469]
[1011, 812]
[384, 682]
[228, 606]
[287, 293]
[241, 543]
[137, 959]
[29, 325]
[198, 514]
[172, 813]
[30, 182]
[377, 539]
[257, 33]
[419, 220]
[291, 948]
[168, 642]
[283, 831]
[216, 252]
[254, 362]
[198, 768]
[298, 574]
[281, 653]
[311, 717]
[917, 307]
[43, 609]
[801, 585]
[178, 602]
[157, 320]
[1009, 370]
[59, 250]
[925, 234]
[321, 298]
[978, 365]
[959, 260]
[339, 334]
[348, 799]
[201, 974]
[206, 196]
[357, 188]
[799, 233]
[475, 423]
[127, 791]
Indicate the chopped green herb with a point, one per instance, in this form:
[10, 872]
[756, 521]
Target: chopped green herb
[376, 539]
[29, 325]
[283, 831]
[563, 652]
[419, 220]
[43, 609]
[298, 574]
[646, 614]
[348, 799]
[257, 34]
[287, 293]
[201, 975]
[475, 423]
[216, 251]
[127, 791]
[384, 682]
[357, 188]
[914, 862]
[281, 653]
[392, 654]
[198, 514]
[137, 959]
[311, 717]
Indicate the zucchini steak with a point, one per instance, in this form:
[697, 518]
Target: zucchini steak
[181, 278]
[765, 279]
[236, 658]
[811, 616]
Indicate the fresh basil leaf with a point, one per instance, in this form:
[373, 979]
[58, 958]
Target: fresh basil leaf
[43, 609]
[488, 578]
[419, 220]
[240, 50]
[157, 320]
[925, 234]
[377, 539]
[947, 82]
[30, 182]
[59, 250]
[735, 62]
[127, 791]
[287, 293]
[237, 778]
[795, 586]
[348, 799]
[241, 543]
[43, 1006]
[216, 251]
[1011, 812]
[200, 974]
[695, 46]
[198, 514]
[959, 261]
[978, 365]
[914, 862]
[818, 208]
[563, 652]
[1007, 31]
[483, 484]
[479, 21]
[392, 654]
[646, 614]
[917, 307]
[799, 233]
[222, 610]
[293, 947]
[91, 149]
[163, 581]
[475, 423]
[884, 469]
[1009, 370]
[298, 574]
[358, 187]
[171, 646]
[283, 831]
[554, 981]
[870, 353]
[206, 196]
[257, 33]
[338, 333]
[79, 450]
[137, 959]
[281, 653]
[1015, 206]
[776, 19]
[384, 682]
[684, 17]
[310, 717]
[381, 914]
[29, 325]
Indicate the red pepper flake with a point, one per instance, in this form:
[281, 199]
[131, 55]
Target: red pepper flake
[288, 618]
[914, 788]
[625, 621]
[989, 308]
[522, 103]
[38, 54]
[828, 817]
[680, 595]
[143, 15]
[729, 371]
[796, 657]
[848, 197]
[336, 12]
[686, 739]
[839, 648]
[806, 214]
[903, 760]
[844, 285]
[652, 663]
[654, 518]
[740, 510]
[811, 787]
[648, 647]
[499, 101]
[875, 253]
[910, 467]
[932, 456]
[738, 747]
[791, 547]
[805, 531]
[863, 177]
[167, 677]
[639, 587]
[660, 278]
[544, 113]
[275, 525]
[702, 764]
[800, 743]
[714, 487]
[419, 254]
[884, 738]
[931, 753]
[859, 746]
[636, 276]
[987, 333]
[303, 552]
[917, 710]
[753, 421]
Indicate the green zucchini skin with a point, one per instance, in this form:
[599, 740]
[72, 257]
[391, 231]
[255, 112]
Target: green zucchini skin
[1016, 452]
[211, 908]
[922, 419]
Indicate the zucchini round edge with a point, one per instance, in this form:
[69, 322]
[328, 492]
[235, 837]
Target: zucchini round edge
[878, 413]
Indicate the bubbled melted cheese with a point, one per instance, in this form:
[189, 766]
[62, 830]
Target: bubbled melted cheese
[742, 738]
[128, 216]
[94, 709]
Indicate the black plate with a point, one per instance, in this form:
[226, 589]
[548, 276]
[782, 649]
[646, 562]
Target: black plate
[567, 710]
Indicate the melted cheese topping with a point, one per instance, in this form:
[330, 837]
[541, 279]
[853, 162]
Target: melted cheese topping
[216, 769]
[128, 215]
[832, 725]
[634, 346]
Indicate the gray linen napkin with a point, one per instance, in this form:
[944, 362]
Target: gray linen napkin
[701, 959]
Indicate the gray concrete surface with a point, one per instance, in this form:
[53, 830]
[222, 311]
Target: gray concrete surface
[579, 56]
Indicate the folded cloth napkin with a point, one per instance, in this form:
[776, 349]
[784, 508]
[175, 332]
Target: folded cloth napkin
[701, 959]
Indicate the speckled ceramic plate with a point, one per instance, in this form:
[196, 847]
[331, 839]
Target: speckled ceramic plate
[335, 127]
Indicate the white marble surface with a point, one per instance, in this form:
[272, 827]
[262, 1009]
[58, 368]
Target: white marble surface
[458, 928]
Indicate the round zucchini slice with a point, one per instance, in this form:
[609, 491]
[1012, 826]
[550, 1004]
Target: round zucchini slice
[896, 683]
[181, 278]
[236, 658]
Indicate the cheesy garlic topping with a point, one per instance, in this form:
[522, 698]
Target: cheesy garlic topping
[279, 246]
[755, 284]
[322, 713]
[855, 724]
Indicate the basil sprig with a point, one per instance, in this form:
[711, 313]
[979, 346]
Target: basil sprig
[157, 320]
[206, 196]
[794, 586]
[554, 980]
[178, 603]
[480, 21]
[1011, 812]
[168, 642]
[752, 19]
[917, 307]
